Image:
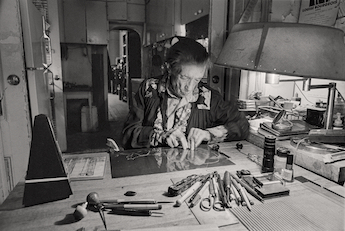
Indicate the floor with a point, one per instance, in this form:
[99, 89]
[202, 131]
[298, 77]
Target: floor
[86, 142]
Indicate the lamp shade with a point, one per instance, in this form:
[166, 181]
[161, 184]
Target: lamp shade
[295, 49]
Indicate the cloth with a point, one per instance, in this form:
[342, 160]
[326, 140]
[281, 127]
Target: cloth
[153, 110]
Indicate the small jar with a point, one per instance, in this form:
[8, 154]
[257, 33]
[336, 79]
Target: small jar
[280, 159]
[287, 172]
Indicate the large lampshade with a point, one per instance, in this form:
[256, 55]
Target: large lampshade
[294, 49]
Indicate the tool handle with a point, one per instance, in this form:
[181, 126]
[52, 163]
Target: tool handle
[124, 201]
[245, 198]
[214, 186]
[249, 189]
[188, 193]
[200, 193]
[234, 183]
[237, 195]
[222, 192]
[134, 206]
[211, 187]
[203, 182]
[226, 179]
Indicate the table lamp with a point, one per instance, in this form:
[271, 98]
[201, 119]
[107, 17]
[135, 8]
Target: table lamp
[294, 49]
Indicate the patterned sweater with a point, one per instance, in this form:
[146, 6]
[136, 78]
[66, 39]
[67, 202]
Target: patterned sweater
[156, 112]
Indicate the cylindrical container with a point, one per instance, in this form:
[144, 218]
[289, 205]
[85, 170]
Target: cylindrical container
[287, 172]
[280, 159]
[268, 157]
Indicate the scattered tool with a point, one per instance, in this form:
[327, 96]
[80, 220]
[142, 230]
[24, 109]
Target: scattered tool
[222, 194]
[203, 182]
[182, 185]
[100, 208]
[197, 198]
[141, 207]
[93, 199]
[188, 193]
[248, 188]
[227, 186]
[133, 206]
[218, 204]
[237, 196]
[210, 199]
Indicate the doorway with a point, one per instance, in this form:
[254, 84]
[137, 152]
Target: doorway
[124, 45]
[125, 66]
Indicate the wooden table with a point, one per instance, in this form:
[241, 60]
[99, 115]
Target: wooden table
[58, 215]
[307, 159]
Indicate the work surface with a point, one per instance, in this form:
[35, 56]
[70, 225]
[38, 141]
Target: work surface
[312, 197]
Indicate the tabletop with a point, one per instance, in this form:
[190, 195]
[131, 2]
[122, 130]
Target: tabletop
[312, 204]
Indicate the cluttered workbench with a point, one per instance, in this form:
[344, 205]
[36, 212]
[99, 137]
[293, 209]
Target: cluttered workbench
[319, 150]
[310, 202]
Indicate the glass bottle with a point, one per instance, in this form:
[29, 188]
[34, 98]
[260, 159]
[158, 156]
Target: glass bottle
[287, 172]
[280, 159]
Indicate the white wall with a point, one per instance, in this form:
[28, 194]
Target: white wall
[15, 122]
[255, 82]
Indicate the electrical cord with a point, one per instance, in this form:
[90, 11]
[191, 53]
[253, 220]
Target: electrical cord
[303, 94]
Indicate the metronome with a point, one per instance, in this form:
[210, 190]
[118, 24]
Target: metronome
[46, 178]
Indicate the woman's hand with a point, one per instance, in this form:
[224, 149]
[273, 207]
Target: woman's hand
[196, 136]
[175, 138]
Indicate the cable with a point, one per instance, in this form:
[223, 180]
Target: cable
[302, 93]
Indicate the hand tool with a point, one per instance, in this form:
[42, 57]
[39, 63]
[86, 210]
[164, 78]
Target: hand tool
[248, 188]
[212, 201]
[133, 206]
[217, 204]
[188, 193]
[227, 183]
[245, 198]
[222, 194]
[135, 212]
[206, 204]
[198, 196]
[99, 207]
[182, 185]
[245, 192]
[235, 192]
[93, 199]
[241, 193]
[203, 182]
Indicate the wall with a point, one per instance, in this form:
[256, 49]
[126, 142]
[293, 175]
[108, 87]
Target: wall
[15, 121]
[76, 64]
[113, 46]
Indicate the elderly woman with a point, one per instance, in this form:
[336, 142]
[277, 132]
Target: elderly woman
[177, 109]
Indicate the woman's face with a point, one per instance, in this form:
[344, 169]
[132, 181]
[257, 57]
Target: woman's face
[188, 79]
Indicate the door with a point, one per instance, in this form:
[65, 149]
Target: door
[37, 60]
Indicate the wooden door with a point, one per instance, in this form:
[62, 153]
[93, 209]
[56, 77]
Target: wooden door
[39, 80]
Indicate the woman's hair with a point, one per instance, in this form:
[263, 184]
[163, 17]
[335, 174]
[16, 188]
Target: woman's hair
[186, 51]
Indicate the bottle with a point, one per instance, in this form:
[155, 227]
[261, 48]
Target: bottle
[339, 106]
[280, 159]
[338, 123]
[287, 172]
[269, 152]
